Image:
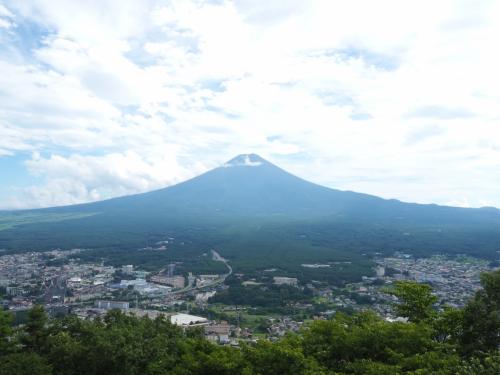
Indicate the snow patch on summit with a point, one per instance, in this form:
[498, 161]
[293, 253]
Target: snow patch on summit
[244, 161]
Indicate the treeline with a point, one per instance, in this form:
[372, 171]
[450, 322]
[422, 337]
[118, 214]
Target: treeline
[454, 341]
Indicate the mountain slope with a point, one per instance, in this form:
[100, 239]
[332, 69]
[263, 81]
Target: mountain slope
[250, 208]
[248, 186]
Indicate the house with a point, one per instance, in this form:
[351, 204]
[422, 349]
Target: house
[218, 332]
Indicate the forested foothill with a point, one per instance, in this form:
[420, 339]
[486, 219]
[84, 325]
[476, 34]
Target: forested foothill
[428, 341]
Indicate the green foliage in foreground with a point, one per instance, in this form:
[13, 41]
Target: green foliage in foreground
[450, 342]
[415, 299]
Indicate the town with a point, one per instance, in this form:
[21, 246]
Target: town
[63, 284]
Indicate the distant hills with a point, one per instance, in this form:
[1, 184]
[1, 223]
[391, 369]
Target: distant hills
[250, 207]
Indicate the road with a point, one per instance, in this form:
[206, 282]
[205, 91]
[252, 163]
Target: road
[217, 257]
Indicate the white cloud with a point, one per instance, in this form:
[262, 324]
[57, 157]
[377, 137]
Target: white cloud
[392, 98]
[77, 178]
[6, 18]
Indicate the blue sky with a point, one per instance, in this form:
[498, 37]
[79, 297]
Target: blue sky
[105, 98]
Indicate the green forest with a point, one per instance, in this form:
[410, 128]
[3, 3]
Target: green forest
[453, 341]
[254, 245]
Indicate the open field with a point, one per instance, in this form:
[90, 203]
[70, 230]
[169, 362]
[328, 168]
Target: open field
[11, 220]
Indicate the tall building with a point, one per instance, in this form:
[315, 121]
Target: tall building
[128, 269]
[170, 269]
[380, 271]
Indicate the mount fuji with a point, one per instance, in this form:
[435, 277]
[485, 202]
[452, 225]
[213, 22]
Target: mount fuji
[249, 203]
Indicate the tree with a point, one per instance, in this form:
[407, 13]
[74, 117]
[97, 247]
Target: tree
[5, 331]
[448, 325]
[415, 301]
[481, 323]
[284, 357]
[23, 364]
[366, 344]
[489, 365]
[36, 330]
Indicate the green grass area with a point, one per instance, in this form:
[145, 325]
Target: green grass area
[12, 220]
[247, 320]
[320, 300]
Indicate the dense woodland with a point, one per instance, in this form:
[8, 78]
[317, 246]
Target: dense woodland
[255, 245]
[454, 341]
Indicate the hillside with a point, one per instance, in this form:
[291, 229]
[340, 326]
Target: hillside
[250, 206]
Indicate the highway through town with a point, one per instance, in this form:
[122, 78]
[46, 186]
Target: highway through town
[218, 258]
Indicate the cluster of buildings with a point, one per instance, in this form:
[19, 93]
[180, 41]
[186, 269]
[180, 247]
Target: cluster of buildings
[278, 327]
[50, 277]
[142, 287]
[454, 280]
[59, 281]
[59, 278]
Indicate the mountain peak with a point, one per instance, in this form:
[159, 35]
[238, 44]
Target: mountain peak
[246, 160]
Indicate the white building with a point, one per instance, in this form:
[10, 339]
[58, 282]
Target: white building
[186, 320]
[108, 305]
[203, 297]
[151, 289]
[380, 271]
[128, 269]
[279, 280]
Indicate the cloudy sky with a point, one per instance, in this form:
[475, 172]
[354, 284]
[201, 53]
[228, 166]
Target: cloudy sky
[394, 98]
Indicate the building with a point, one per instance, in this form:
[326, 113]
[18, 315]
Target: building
[279, 280]
[152, 290]
[141, 274]
[128, 269]
[218, 332]
[186, 320]
[191, 278]
[380, 271]
[209, 277]
[108, 305]
[170, 269]
[137, 283]
[201, 298]
[143, 287]
[15, 291]
[174, 281]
